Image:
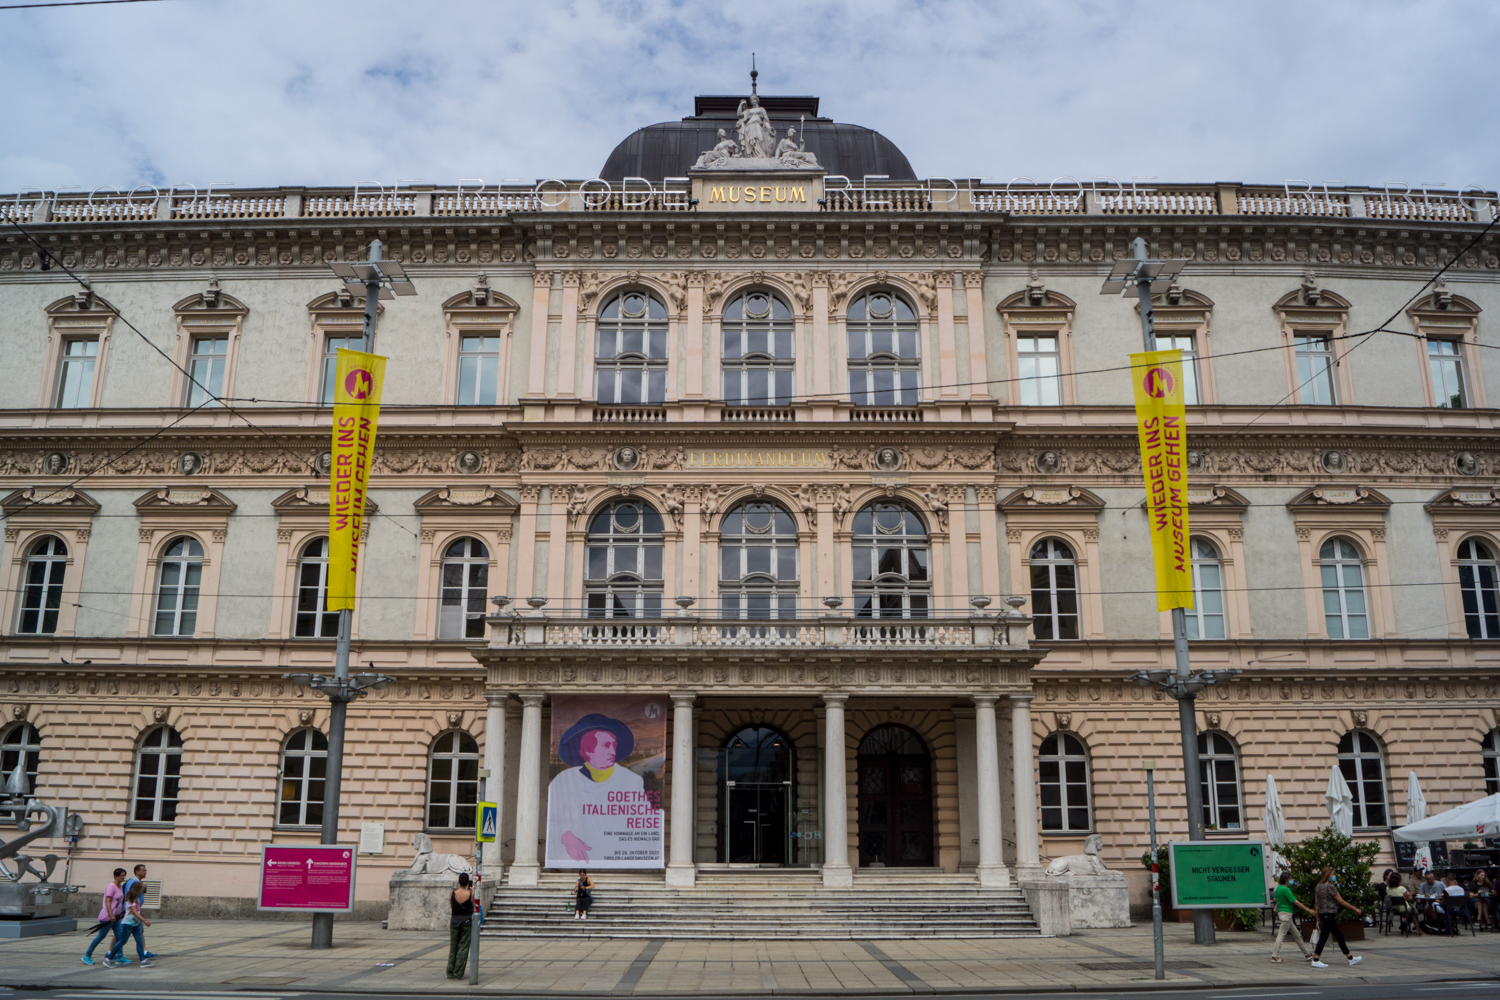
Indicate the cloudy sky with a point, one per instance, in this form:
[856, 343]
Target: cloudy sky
[268, 92]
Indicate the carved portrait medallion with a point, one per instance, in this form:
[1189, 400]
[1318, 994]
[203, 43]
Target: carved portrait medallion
[190, 463]
[469, 462]
[888, 459]
[627, 459]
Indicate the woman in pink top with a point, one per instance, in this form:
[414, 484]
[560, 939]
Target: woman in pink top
[109, 914]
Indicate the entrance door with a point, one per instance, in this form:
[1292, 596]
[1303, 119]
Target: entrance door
[895, 799]
[756, 797]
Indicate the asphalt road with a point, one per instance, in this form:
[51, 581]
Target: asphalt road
[1343, 991]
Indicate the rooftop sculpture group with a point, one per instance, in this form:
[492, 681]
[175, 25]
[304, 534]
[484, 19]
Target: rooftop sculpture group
[756, 147]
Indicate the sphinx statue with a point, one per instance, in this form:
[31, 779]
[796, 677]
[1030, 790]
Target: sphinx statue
[1087, 863]
[428, 863]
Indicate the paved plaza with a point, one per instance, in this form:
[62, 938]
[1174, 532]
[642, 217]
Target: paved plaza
[222, 955]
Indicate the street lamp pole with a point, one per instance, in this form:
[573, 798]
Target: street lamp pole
[1181, 684]
[374, 276]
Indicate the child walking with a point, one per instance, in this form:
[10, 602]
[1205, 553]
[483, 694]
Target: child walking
[131, 926]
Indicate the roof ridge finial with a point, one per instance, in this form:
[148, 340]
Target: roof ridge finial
[753, 74]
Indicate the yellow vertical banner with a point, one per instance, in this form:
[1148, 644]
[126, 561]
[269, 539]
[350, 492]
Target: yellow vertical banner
[1161, 423]
[356, 414]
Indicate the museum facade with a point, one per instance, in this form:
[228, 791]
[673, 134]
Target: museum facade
[839, 462]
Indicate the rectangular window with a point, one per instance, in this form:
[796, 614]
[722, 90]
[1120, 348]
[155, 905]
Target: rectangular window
[1314, 370]
[478, 370]
[331, 347]
[1446, 363]
[1183, 342]
[1040, 370]
[206, 365]
[75, 378]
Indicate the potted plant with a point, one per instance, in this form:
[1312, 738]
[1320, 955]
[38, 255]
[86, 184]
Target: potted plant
[1247, 919]
[1350, 861]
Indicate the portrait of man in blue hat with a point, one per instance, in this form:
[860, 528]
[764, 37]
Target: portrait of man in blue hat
[597, 808]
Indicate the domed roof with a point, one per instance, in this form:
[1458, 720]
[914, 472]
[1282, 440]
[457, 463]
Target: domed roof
[668, 149]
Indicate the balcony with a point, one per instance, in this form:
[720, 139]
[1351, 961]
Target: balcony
[717, 633]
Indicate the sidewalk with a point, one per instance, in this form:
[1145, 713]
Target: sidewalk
[273, 955]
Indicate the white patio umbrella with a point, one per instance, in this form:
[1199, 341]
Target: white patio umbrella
[1275, 823]
[1473, 821]
[1340, 802]
[1416, 812]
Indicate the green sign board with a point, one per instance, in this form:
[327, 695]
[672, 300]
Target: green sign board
[1217, 874]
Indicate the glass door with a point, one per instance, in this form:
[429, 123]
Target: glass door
[758, 828]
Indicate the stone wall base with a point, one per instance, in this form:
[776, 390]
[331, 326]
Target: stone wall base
[1050, 905]
[420, 902]
[85, 906]
[1097, 900]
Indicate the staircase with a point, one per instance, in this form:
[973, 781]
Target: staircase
[763, 904]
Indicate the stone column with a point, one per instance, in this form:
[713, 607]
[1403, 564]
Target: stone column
[681, 872]
[947, 349]
[526, 869]
[568, 337]
[541, 307]
[992, 870]
[494, 786]
[1028, 850]
[978, 365]
[836, 870]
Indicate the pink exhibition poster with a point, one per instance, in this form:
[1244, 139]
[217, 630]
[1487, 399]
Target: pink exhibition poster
[312, 877]
[604, 803]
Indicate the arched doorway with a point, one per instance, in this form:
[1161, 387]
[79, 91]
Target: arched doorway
[895, 799]
[756, 772]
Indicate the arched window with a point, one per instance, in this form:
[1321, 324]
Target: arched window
[158, 766]
[758, 355]
[1205, 619]
[892, 568]
[452, 782]
[758, 562]
[759, 754]
[1063, 767]
[624, 574]
[1054, 590]
[1490, 753]
[314, 620]
[1363, 764]
[1477, 584]
[885, 367]
[304, 766]
[41, 587]
[630, 362]
[466, 574]
[177, 583]
[1344, 608]
[21, 743]
[1219, 772]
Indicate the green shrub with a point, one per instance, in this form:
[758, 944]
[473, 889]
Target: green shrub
[1245, 920]
[1165, 876]
[1351, 867]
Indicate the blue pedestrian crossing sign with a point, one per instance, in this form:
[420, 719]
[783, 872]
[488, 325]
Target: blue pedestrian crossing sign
[484, 829]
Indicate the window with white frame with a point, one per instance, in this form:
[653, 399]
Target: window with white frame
[304, 768]
[1314, 369]
[1445, 363]
[630, 358]
[1063, 773]
[623, 575]
[313, 619]
[206, 365]
[478, 368]
[1039, 368]
[758, 562]
[21, 746]
[1479, 587]
[466, 576]
[178, 580]
[453, 782]
[1188, 345]
[1054, 590]
[332, 344]
[158, 775]
[1362, 762]
[892, 563]
[1219, 774]
[1345, 609]
[42, 587]
[758, 354]
[75, 373]
[1490, 757]
[885, 367]
[1205, 619]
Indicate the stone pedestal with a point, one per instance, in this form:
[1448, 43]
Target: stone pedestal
[420, 902]
[38, 927]
[1097, 900]
[1050, 905]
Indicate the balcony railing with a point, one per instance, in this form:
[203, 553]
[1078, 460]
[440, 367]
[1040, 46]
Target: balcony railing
[965, 630]
[629, 415]
[758, 414]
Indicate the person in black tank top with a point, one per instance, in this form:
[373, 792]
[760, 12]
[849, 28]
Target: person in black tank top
[461, 924]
